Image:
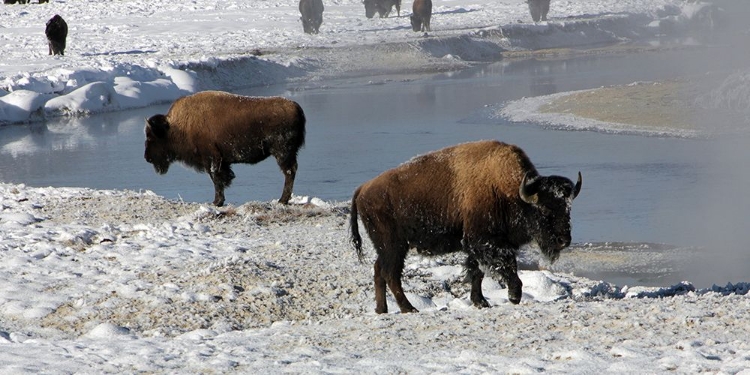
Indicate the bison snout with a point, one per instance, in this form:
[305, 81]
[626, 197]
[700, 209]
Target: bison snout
[562, 242]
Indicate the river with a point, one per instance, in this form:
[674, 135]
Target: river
[636, 189]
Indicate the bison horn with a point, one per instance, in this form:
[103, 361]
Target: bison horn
[577, 188]
[525, 192]
[158, 124]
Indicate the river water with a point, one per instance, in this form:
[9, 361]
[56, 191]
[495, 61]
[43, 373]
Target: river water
[685, 193]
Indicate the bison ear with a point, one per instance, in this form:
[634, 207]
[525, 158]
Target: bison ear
[577, 188]
[528, 189]
[158, 125]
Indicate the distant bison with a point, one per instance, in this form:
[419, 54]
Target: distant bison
[211, 130]
[538, 9]
[312, 15]
[383, 7]
[421, 13]
[483, 198]
[56, 32]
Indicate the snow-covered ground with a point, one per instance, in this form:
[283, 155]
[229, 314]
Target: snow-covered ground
[118, 281]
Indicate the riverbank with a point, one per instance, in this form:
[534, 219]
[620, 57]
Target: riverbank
[136, 54]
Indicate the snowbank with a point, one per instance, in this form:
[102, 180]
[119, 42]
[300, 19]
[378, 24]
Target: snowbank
[132, 54]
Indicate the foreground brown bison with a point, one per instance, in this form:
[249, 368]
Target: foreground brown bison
[483, 198]
[538, 9]
[211, 130]
[421, 13]
[312, 15]
[56, 32]
[383, 7]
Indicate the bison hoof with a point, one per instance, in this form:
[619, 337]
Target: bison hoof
[481, 304]
[514, 299]
[409, 310]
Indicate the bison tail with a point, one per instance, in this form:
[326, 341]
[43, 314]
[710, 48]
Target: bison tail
[354, 225]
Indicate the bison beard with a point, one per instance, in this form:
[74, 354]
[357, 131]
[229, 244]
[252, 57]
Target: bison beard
[56, 32]
[483, 198]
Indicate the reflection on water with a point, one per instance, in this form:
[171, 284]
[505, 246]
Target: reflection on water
[636, 189]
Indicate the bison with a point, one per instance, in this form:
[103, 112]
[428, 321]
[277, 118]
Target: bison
[312, 15]
[383, 7]
[421, 13]
[211, 130]
[538, 9]
[56, 32]
[483, 198]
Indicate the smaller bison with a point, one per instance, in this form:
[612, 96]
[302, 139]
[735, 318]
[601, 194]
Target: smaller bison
[538, 9]
[484, 198]
[56, 32]
[383, 7]
[211, 130]
[421, 13]
[312, 15]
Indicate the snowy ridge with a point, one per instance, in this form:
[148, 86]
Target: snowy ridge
[135, 54]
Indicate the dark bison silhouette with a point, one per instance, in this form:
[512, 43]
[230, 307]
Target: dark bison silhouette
[312, 15]
[483, 198]
[538, 9]
[421, 13]
[56, 32]
[382, 7]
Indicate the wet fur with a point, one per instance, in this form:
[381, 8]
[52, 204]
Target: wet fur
[312, 15]
[211, 130]
[461, 198]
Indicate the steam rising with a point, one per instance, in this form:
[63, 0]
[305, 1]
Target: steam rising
[719, 221]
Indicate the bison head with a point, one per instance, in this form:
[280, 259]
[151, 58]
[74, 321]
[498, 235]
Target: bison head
[551, 198]
[416, 22]
[370, 8]
[157, 143]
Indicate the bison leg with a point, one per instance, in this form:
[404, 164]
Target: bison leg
[382, 276]
[289, 168]
[388, 270]
[221, 178]
[381, 307]
[507, 267]
[501, 262]
[475, 276]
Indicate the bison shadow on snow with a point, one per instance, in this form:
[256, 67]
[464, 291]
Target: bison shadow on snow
[485, 199]
[211, 130]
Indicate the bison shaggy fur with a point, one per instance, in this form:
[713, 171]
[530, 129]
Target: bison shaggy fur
[211, 130]
[483, 198]
[421, 13]
[312, 15]
[56, 32]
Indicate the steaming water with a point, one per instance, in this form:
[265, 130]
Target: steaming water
[687, 194]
